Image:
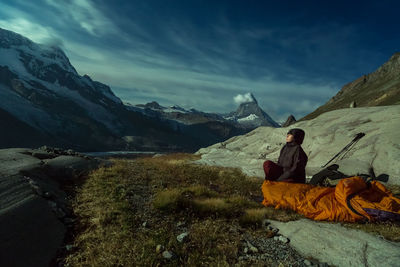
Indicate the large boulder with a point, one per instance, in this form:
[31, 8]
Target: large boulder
[326, 135]
[337, 245]
[34, 210]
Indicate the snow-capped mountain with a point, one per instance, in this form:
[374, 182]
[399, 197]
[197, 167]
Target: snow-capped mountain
[250, 115]
[247, 117]
[40, 88]
[177, 113]
[43, 100]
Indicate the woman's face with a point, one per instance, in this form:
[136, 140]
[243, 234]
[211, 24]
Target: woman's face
[289, 138]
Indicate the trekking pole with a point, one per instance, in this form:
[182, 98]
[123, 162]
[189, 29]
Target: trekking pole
[356, 138]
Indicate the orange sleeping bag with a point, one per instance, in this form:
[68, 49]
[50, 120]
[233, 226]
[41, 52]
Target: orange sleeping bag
[351, 200]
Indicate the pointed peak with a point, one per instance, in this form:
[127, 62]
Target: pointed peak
[245, 98]
[290, 120]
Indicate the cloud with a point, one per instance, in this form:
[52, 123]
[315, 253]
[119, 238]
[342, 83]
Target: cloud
[177, 62]
[240, 99]
[86, 15]
[29, 29]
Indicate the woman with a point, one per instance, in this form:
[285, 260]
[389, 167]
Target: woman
[292, 160]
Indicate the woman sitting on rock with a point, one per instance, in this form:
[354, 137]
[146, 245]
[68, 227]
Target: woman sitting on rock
[292, 160]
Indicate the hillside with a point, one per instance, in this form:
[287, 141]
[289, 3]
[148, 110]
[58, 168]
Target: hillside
[380, 88]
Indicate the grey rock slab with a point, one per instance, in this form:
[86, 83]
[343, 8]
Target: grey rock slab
[30, 223]
[30, 233]
[65, 167]
[13, 160]
[325, 136]
[337, 245]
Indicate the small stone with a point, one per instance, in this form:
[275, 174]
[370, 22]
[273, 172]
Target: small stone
[145, 224]
[265, 223]
[68, 247]
[167, 255]
[308, 263]
[270, 234]
[159, 248]
[179, 224]
[182, 237]
[252, 248]
[246, 250]
[273, 229]
[282, 239]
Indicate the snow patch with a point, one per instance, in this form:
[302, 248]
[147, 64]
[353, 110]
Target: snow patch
[251, 117]
[26, 111]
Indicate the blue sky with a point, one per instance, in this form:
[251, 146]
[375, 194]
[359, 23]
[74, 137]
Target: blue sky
[292, 55]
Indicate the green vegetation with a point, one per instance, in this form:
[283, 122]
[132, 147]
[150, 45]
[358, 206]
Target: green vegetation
[125, 211]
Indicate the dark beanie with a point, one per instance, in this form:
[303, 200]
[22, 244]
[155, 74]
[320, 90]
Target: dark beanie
[298, 135]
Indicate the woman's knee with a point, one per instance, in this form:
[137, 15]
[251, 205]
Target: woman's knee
[268, 163]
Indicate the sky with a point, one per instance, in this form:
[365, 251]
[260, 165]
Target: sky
[293, 56]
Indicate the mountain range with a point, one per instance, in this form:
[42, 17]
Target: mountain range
[45, 101]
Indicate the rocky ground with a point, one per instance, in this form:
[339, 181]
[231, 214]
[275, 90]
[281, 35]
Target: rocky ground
[35, 211]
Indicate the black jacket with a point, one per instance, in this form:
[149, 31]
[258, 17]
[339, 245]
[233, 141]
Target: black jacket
[293, 160]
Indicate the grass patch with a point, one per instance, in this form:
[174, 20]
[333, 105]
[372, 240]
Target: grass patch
[215, 243]
[227, 207]
[254, 217]
[168, 199]
[387, 230]
[125, 211]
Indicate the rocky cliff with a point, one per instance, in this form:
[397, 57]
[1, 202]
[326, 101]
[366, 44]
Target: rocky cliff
[380, 88]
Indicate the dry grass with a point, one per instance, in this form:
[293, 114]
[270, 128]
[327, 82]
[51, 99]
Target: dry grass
[387, 230]
[395, 189]
[214, 203]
